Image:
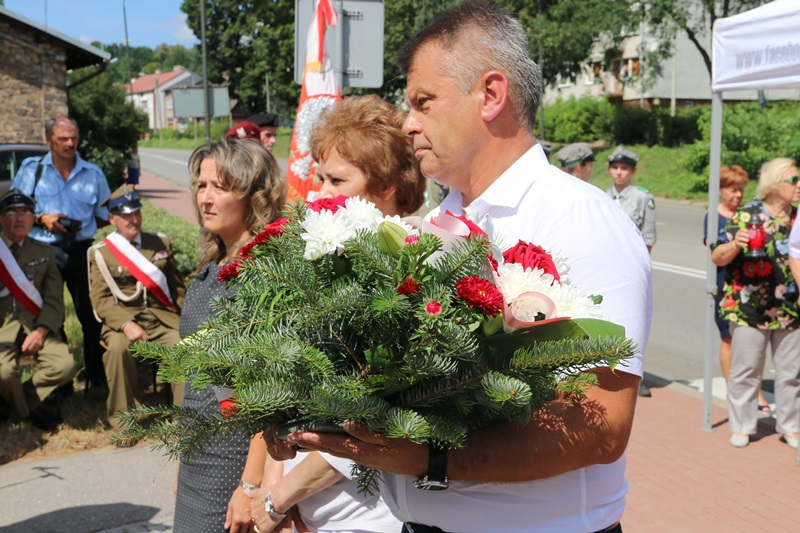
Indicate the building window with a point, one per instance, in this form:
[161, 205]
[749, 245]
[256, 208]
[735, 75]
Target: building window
[625, 69]
[594, 73]
[563, 84]
[169, 103]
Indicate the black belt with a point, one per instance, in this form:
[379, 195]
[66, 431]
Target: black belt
[410, 527]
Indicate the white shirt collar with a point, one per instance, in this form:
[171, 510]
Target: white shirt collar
[507, 190]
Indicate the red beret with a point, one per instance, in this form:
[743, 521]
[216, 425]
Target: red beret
[244, 130]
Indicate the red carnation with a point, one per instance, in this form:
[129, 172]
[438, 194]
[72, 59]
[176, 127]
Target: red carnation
[411, 239]
[229, 271]
[269, 231]
[531, 256]
[228, 407]
[331, 204]
[480, 293]
[433, 308]
[474, 229]
[408, 287]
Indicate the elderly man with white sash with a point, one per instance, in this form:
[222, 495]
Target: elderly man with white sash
[31, 315]
[136, 293]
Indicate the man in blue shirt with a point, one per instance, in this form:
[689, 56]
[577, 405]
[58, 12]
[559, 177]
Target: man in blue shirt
[69, 193]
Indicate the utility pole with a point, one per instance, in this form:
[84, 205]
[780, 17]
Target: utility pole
[205, 68]
[269, 106]
[127, 50]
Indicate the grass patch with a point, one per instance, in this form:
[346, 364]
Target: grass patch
[84, 412]
[663, 172]
[280, 150]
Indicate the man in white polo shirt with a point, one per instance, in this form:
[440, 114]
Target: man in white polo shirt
[473, 91]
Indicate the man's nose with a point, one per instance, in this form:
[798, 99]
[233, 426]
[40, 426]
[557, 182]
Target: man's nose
[411, 125]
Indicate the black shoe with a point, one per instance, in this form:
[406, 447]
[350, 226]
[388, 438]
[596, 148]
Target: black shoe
[64, 391]
[44, 419]
[644, 390]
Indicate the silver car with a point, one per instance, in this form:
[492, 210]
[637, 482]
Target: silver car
[12, 156]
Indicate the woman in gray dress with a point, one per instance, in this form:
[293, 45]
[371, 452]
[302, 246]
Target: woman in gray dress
[238, 189]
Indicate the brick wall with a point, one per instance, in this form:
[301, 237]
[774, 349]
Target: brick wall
[33, 83]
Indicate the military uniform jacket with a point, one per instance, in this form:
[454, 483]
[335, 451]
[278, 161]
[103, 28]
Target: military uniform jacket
[641, 207]
[38, 263]
[114, 312]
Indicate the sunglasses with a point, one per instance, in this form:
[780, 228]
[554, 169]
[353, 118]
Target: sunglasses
[793, 180]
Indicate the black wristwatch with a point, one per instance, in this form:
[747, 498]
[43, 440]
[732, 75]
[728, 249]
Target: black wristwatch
[436, 478]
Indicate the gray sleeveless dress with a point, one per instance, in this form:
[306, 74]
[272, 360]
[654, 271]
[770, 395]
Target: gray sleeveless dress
[207, 479]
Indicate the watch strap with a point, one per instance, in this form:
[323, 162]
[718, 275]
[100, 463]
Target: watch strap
[436, 478]
[270, 509]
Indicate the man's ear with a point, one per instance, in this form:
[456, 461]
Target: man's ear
[494, 90]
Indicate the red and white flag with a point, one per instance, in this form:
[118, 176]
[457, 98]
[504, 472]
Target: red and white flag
[319, 92]
[140, 268]
[18, 284]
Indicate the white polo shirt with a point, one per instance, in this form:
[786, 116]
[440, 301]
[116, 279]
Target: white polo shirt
[536, 202]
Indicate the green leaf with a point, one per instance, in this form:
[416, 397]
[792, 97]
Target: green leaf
[579, 328]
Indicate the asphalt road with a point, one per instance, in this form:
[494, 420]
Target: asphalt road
[677, 343]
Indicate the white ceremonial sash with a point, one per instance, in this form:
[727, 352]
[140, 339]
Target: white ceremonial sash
[12, 276]
[140, 267]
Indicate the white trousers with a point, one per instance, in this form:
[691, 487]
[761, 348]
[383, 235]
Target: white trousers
[748, 350]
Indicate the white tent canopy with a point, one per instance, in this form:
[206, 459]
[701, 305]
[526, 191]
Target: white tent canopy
[757, 49]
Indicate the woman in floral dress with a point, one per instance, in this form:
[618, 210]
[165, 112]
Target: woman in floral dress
[760, 302]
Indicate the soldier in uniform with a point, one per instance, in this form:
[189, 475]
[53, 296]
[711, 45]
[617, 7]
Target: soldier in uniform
[637, 202]
[31, 315]
[137, 294]
[576, 159]
[268, 126]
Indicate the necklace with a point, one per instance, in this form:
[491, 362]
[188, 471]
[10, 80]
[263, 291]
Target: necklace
[783, 215]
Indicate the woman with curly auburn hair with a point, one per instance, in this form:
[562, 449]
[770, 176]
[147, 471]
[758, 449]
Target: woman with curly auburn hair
[760, 302]
[361, 150]
[238, 189]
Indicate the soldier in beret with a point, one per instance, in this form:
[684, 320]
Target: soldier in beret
[637, 202]
[31, 315]
[576, 159]
[244, 130]
[268, 126]
[137, 294]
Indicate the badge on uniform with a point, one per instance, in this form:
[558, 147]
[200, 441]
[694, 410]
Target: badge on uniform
[37, 262]
[161, 254]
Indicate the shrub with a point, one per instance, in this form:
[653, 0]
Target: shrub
[578, 120]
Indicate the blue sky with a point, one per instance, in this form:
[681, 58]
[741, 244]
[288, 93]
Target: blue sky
[150, 22]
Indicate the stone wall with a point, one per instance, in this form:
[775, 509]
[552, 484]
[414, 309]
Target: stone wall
[33, 83]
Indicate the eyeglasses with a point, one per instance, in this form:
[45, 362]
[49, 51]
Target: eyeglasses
[15, 214]
[793, 180]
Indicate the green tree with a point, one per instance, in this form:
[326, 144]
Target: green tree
[109, 125]
[246, 43]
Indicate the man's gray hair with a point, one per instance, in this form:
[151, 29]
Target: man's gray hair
[51, 123]
[476, 38]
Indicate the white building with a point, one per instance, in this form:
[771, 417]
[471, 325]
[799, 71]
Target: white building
[151, 94]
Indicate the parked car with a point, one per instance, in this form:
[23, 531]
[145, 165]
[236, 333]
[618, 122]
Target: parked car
[12, 156]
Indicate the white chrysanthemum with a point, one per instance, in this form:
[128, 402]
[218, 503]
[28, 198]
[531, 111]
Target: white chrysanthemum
[326, 233]
[512, 280]
[362, 213]
[397, 219]
[562, 266]
[571, 302]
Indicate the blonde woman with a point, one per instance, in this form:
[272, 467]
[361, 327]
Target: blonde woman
[238, 189]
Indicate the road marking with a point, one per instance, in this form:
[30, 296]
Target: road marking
[681, 271]
[175, 161]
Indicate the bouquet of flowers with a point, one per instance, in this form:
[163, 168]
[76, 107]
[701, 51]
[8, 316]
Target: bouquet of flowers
[420, 330]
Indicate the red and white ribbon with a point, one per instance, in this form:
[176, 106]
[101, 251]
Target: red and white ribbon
[140, 268]
[12, 276]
